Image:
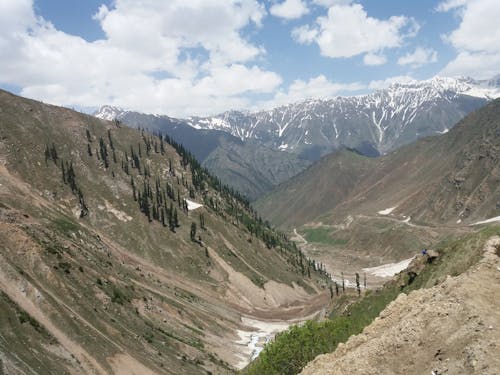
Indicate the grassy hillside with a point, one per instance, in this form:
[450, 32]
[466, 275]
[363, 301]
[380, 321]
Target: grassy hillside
[318, 189]
[103, 266]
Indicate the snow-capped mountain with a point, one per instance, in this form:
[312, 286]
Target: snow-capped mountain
[109, 112]
[377, 122]
[372, 124]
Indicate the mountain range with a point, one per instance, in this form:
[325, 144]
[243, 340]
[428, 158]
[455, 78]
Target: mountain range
[372, 124]
[453, 178]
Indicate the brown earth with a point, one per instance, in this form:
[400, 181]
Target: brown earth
[451, 328]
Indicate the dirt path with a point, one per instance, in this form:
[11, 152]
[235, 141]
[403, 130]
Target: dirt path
[452, 328]
[299, 237]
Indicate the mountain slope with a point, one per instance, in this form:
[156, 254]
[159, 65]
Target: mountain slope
[318, 189]
[249, 167]
[109, 266]
[445, 179]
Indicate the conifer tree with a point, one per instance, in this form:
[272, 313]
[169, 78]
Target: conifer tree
[63, 171]
[171, 221]
[202, 221]
[110, 140]
[193, 231]
[176, 219]
[47, 154]
[53, 153]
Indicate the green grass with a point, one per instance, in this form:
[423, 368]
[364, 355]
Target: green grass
[66, 225]
[323, 235]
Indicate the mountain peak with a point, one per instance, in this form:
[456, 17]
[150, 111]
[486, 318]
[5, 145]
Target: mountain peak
[108, 112]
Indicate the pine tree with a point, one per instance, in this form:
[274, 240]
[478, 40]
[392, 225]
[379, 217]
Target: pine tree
[176, 219]
[104, 152]
[202, 221]
[171, 221]
[133, 188]
[53, 153]
[357, 284]
[47, 154]
[63, 171]
[193, 231]
[110, 140]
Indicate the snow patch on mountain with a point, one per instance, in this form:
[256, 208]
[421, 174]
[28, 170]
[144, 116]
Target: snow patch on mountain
[382, 120]
[109, 112]
[384, 115]
[387, 211]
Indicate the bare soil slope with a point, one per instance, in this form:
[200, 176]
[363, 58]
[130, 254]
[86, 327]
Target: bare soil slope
[451, 328]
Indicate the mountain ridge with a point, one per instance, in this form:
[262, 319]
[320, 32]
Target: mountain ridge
[383, 117]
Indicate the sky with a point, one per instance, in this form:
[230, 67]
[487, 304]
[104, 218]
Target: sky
[203, 57]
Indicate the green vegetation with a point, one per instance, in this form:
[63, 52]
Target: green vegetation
[323, 235]
[292, 350]
[66, 225]
[119, 296]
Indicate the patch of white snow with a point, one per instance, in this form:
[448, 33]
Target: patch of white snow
[390, 269]
[193, 205]
[252, 341]
[387, 211]
[283, 147]
[491, 220]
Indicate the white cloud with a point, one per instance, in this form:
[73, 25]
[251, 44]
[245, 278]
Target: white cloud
[476, 40]
[317, 87]
[479, 65]
[419, 57]
[348, 31]
[289, 9]
[385, 83]
[374, 59]
[447, 5]
[329, 3]
[156, 57]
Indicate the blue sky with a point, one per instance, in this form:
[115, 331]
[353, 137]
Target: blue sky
[187, 57]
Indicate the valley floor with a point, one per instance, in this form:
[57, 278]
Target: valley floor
[375, 246]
